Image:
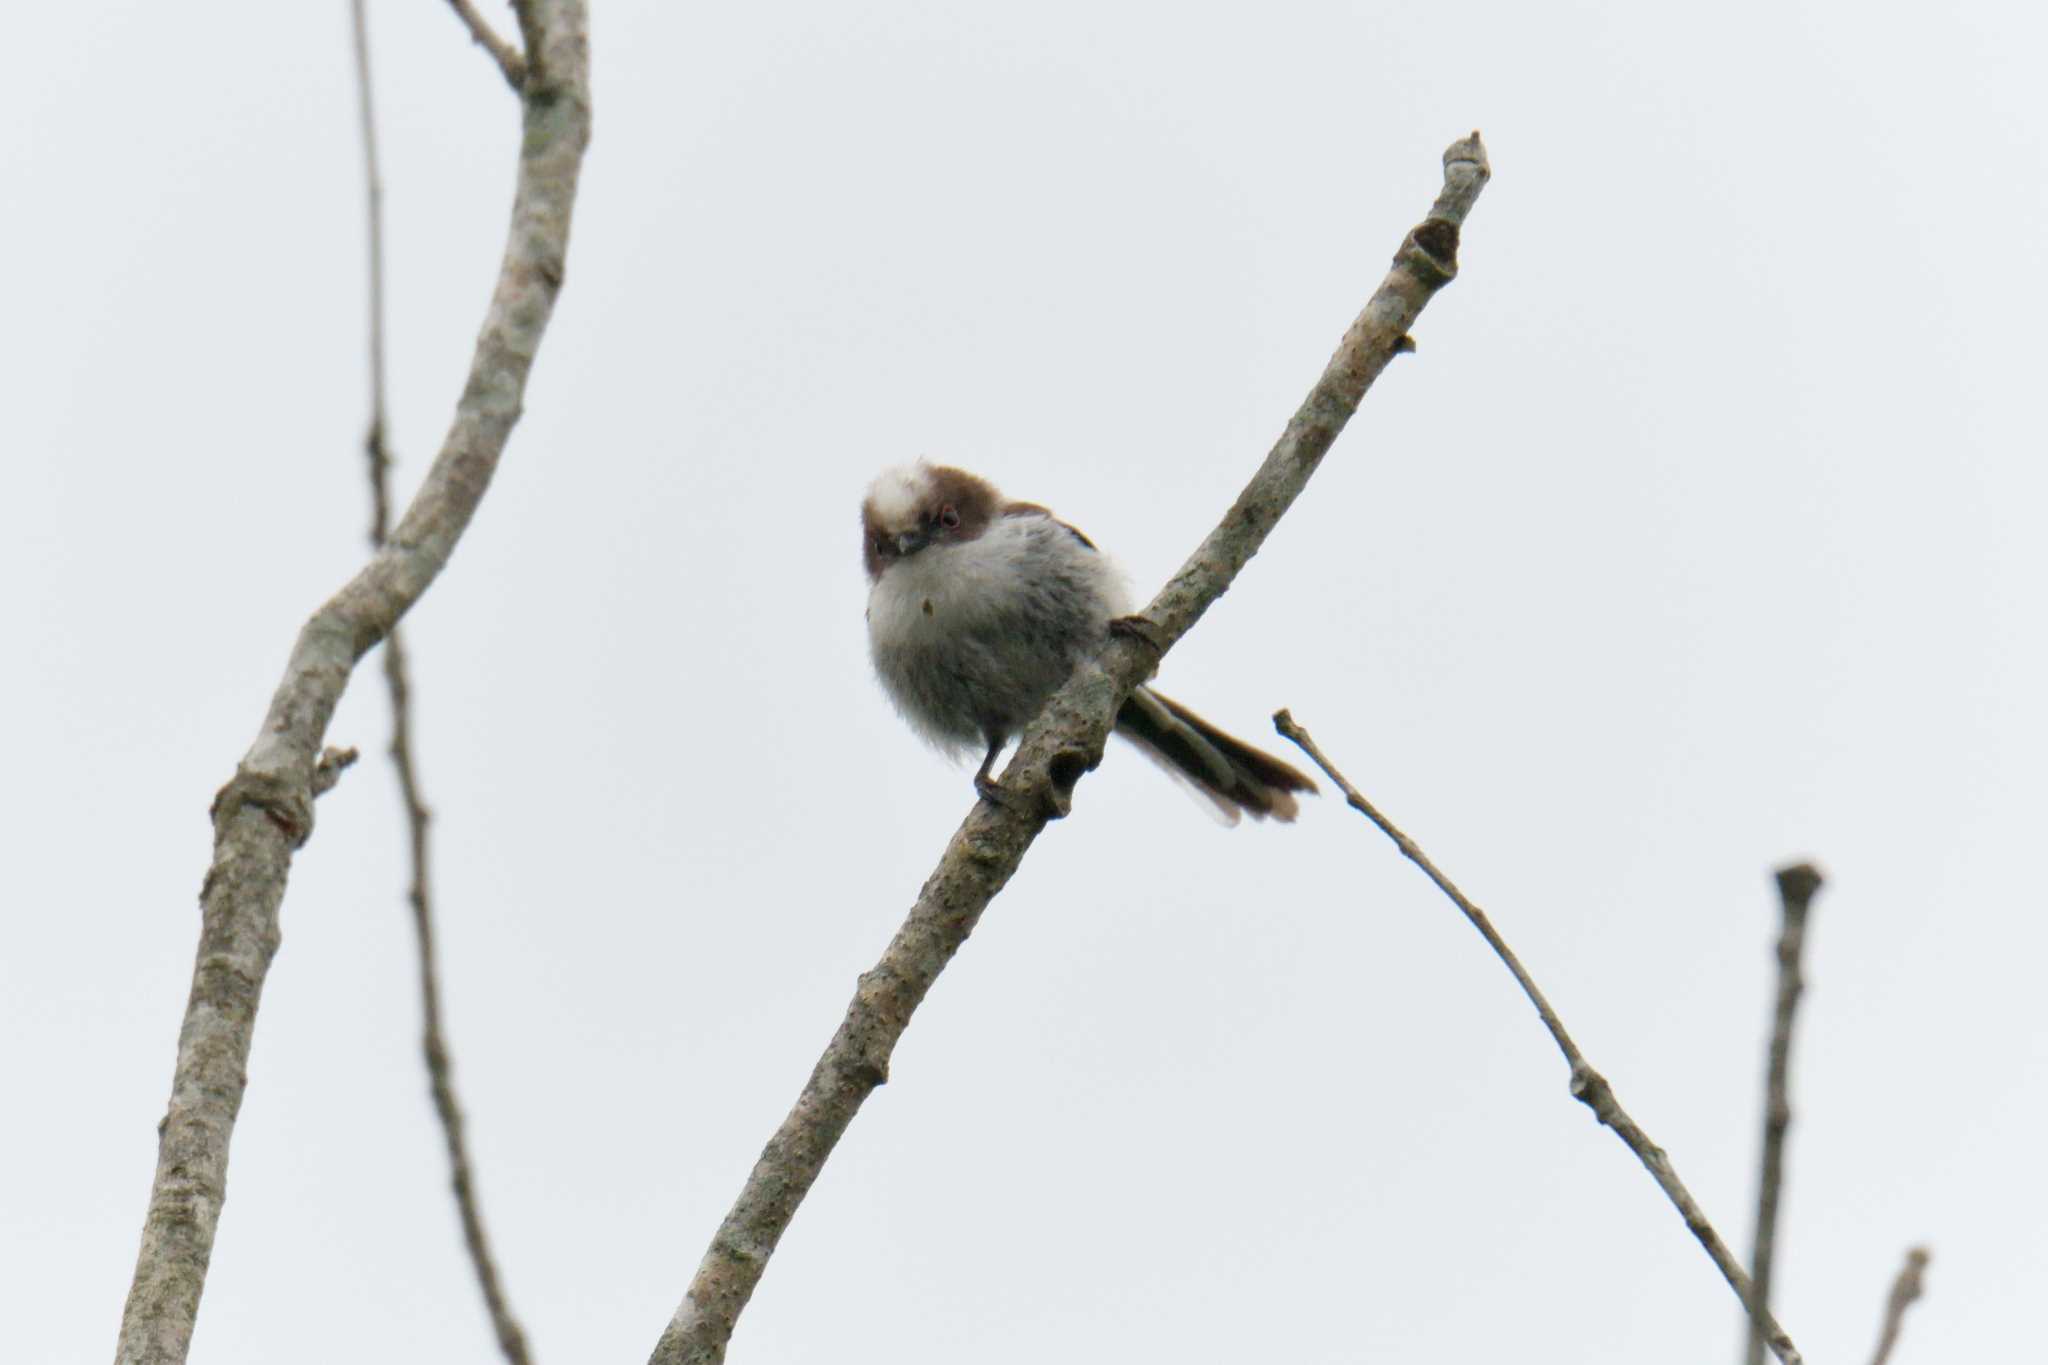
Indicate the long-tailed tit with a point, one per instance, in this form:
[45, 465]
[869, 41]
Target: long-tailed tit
[978, 610]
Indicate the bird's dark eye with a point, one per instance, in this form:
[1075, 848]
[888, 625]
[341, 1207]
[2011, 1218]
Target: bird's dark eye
[882, 545]
[949, 517]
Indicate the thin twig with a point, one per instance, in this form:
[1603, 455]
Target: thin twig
[373, 179]
[1588, 1086]
[1057, 748]
[1905, 1289]
[440, 1067]
[1798, 883]
[265, 812]
[503, 53]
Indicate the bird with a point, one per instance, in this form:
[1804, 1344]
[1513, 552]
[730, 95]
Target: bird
[980, 607]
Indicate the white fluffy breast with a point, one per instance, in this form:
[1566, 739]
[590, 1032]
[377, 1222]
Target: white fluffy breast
[987, 579]
[970, 637]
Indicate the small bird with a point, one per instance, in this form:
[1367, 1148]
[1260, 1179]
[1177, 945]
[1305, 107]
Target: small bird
[979, 608]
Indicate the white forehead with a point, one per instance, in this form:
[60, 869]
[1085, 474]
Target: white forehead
[898, 495]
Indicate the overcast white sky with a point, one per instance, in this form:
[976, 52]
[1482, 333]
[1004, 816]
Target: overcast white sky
[1704, 531]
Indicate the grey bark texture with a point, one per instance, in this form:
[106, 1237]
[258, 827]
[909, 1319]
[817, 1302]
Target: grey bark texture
[1798, 884]
[265, 812]
[1588, 1086]
[1064, 741]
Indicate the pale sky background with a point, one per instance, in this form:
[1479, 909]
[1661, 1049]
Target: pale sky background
[1704, 531]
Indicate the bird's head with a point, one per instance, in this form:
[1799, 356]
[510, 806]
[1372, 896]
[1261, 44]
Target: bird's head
[914, 507]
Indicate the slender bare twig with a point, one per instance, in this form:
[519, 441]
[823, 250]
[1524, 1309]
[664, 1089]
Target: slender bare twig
[1905, 1289]
[503, 53]
[440, 1067]
[1798, 883]
[1588, 1086]
[1059, 746]
[265, 812]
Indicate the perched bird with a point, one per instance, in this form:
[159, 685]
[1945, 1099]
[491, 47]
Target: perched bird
[978, 610]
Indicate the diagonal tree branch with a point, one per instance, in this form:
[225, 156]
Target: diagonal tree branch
[1905, 1289]
[1062, 743]
[1798, 883]
[1588, 1086]
[397, 680]
[503, 53]
[265, 812]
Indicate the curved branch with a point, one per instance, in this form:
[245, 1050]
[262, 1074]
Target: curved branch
[1063, 742]
[1588, 1086]
[397, 682]
[265, 812]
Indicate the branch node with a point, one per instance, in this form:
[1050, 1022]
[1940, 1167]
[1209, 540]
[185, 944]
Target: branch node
[1590, 1088]
[1431, 253]
[869, 1075]
[510, 63]
[1139, 627]
[289, 805]
[1798, 883]
[1066, 768]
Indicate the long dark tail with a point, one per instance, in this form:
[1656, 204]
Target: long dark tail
[1229, 773]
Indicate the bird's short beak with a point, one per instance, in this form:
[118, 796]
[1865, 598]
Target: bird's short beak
[910, 542]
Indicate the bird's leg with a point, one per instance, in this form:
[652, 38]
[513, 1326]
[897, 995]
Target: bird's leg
[991, 791]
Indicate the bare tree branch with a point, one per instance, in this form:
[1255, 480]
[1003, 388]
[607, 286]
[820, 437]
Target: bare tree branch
[1059, 746]
[1798, 883]
[1905, 1289]
[440, 1067]
[265, 812]
[1588, 1086]
[503, 53]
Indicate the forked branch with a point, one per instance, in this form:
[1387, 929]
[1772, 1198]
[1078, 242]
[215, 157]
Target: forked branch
[510, 63]
[265, 812]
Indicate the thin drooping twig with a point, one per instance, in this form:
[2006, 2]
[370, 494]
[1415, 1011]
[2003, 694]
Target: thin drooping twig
[440, 1068]
[503, 53]
[1057, 748]
[1905, 1289]
[1588, 1086]
[1798, 883]
[265, 812]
